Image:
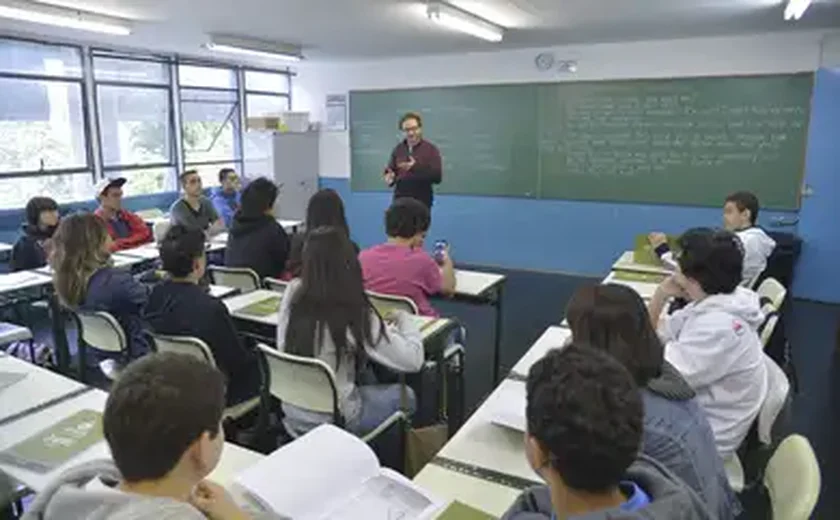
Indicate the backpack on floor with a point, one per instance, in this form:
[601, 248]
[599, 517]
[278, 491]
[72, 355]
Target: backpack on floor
[36, 353]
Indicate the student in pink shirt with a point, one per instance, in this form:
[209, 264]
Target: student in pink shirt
[400, 266]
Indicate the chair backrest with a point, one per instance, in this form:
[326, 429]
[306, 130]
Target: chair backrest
[160, 229]
[385, 303]
[772, 291]
[304, 382]
[184, 345]
[273, 284]
[765, 331]
[101, 331]
[778, 388]
[792, 479]
[242, 278]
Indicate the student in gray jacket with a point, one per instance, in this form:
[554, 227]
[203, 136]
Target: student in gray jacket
[613, 318]
[162, 422]
[584, 416]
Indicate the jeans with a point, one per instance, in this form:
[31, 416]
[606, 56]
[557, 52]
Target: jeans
[378, 403]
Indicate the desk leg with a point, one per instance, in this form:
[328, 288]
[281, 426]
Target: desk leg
[497, 350]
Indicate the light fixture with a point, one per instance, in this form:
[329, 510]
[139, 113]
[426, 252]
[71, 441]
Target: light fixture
[457, 19]
[64, 17]
[796, 8]
[255, 48]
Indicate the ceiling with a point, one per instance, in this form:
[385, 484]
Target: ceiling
[357, 29]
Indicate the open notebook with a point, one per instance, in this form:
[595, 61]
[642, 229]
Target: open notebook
[331, 474]
[507, 405]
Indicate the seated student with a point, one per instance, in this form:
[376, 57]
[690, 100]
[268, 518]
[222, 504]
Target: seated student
[84, 279]
[30, 250]
[256, 240]
[584, 426]
[162, 422]
[613, 318]
[126, 229]
[325, 208]
[193, 210]
[226, 198]
[712, 341]
[400, 266]
[180, 307]
[740, 212]
[326, 314]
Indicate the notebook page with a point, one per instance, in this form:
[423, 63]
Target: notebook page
[387, 496]
[508, 405]
[310, 475]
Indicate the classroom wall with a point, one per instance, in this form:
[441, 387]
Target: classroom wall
[566, 236]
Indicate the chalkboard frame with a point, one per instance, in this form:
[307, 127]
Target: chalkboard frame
[538, 195]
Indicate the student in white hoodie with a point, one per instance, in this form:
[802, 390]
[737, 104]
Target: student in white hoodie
[740, 213]
[326, 314]
[713, 341]
[162, 422]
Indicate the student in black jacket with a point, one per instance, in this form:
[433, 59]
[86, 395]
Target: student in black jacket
[180, 307]
[256, 240]
[30, 250]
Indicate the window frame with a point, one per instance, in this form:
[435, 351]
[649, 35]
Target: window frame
[89, 166]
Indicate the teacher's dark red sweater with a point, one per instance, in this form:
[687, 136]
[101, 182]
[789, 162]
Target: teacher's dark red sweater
[417, 182]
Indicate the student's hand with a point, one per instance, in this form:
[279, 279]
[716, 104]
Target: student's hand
[657, 239]
[407, 165]
[215, 502]
[672, 287]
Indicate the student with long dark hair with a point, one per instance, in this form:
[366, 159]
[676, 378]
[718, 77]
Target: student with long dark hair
[325, 208]
[84, 278]
[326, 314]
[256, 240]
[613, 318]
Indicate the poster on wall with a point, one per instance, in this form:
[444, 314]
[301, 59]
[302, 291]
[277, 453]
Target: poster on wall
[337, 112]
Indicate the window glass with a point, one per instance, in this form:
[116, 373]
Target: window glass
[134, 124]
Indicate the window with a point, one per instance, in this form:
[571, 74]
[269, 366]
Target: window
[266, 94]
[135, 122]
[268, 82]
[211, 131]
[43, 134]
[260, 105]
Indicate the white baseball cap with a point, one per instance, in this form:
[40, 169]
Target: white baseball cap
[104, 184]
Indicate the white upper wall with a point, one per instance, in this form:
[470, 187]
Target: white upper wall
[754, 54]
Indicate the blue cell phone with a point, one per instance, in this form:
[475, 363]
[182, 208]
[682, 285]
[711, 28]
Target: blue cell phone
[440, 248]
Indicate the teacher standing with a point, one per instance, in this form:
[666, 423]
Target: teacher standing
[415, 163]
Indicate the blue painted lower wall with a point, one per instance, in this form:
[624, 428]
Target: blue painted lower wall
[553, 235]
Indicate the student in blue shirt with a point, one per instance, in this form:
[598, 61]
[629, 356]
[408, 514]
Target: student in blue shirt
[227, 197]
[584, 419]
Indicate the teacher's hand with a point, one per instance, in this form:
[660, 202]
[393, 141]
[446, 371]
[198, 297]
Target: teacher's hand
[407, 165]
[389, 176]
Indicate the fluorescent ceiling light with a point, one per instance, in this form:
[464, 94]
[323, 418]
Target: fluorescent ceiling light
[255, 48]
[796, 8]
[459, 20]
[64, 17]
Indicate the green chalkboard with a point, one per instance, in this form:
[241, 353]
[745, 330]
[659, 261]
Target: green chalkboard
[677, 141]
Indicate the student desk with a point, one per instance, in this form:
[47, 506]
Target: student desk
[553, 337]
[222, 291]
[291, 226]
[483, 289]
[234, 459]
[625, 263]
[118, 260]
[645, 289]
[148, 251]
[23, 286]
[38, 387]
[5, 251]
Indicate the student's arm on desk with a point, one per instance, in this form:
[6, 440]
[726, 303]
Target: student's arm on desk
[401, 348]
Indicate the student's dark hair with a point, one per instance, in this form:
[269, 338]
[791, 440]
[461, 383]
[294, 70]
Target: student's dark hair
[586, 412]
[714, 258]
[179, 248]
[223, 174]
[411, 115]
[745, 200]
[406, 217]
[157, 408]
[614, 318]
[326, 209]
[258, 197]
[331, 299]
[78, 252]
[187, 173]
[36, 206]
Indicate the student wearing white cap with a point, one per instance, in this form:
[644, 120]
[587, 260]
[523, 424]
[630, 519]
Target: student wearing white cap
[126, 229]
